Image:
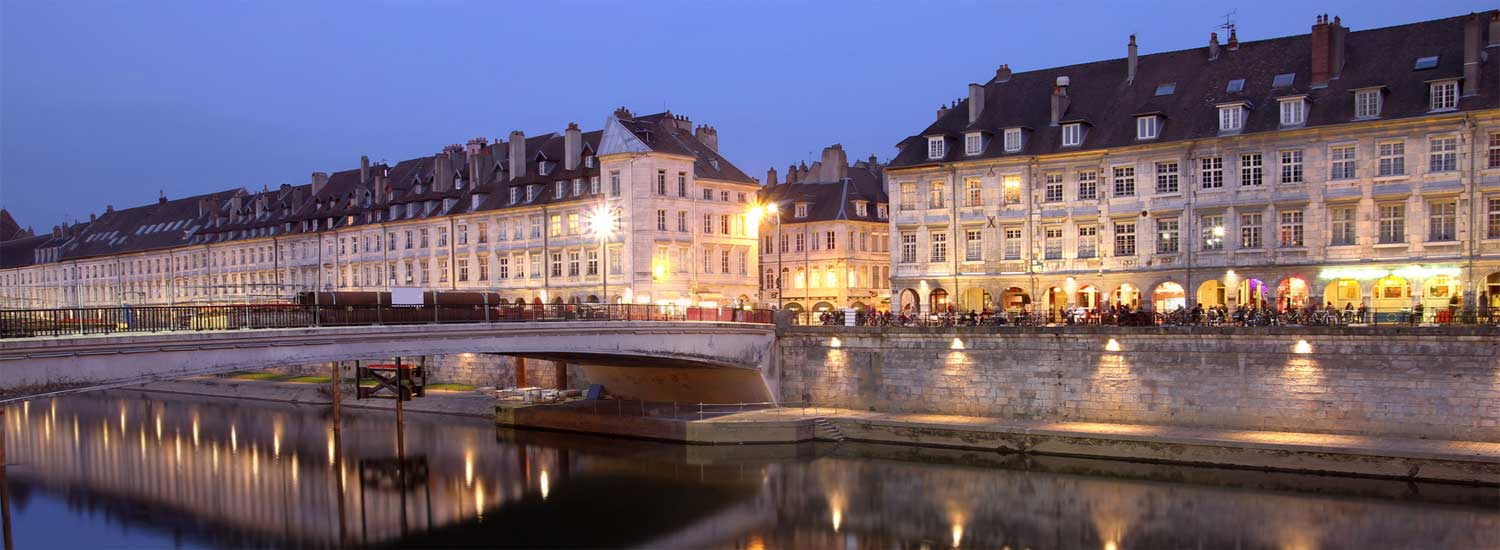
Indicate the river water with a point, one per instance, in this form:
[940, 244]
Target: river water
[132, 469]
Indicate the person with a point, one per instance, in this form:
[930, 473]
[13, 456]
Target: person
[1416, 317]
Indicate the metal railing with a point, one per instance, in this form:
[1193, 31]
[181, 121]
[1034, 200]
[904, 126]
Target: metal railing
[22, 323]
[1482, 316]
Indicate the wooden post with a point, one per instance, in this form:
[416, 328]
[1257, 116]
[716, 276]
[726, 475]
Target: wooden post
[561, 378]
[520, 363]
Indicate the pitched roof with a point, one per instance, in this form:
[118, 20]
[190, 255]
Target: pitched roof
[9, 229]
[1101, 96]
[831, 200]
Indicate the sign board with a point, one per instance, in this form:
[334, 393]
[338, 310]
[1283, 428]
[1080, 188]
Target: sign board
[406, 296]
[850, 315]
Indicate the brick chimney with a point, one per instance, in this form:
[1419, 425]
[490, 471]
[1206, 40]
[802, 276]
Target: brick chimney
[381, 187]
[1473, 42]
[623, 113]
[474, 155]
[791, 173]
[364, 169]
[976, 102]
[708, 136]
[1130, 61]
[942, 110]
[1336, 32]
[1002, 74]
[1060, 99]
[1322, 58]
[1234, 39]
[442, 172]
[572, 147]
[771, 176]
[319, 181]
[835, 165]
[518, 154]
[1213, 46]
[1494, 30]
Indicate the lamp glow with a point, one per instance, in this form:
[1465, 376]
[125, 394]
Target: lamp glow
[1302, 347]
[1112, 345]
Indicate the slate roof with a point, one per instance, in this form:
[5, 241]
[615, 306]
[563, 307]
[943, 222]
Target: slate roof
[831, 200]
[9, 229]
[21, 252]
[163, 224]
[1102, 98]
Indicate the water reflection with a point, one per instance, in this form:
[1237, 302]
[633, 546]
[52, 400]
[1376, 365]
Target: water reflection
[214, 473]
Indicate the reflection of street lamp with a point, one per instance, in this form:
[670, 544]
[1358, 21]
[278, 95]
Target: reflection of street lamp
[602, 222]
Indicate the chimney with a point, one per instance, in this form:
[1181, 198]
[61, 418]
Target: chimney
[1213, 46]
[942, 110]
[1472, 44]
[1060, 99]
[92, 217]
[474, 153]
[518, 153]
[1494, 30]
[442, 172]
[791, 173]
[1336, 33]
[816, 170]
[802, 171]
[708, 136]
[364, 169]
[1234, 39]
[161, 197]
[874, 161]
[835, 165]
[319, 181]
[623, 113]
[771, 176]
[572, 147]
[1002, 74]
[1130, 61]
[976, 102]
[1322, 59]
[382, 193]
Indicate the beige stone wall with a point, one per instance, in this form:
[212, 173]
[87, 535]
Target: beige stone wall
[1435, 383]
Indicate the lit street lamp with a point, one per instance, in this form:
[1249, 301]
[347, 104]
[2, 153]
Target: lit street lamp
[774, 211]
[602, 222]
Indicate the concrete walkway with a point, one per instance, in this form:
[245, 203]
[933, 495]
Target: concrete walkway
[456, 403]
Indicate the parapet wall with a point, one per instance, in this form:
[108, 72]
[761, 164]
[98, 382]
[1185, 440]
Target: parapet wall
[1439, 383]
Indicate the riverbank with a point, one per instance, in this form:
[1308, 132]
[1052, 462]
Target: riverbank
[452, 403]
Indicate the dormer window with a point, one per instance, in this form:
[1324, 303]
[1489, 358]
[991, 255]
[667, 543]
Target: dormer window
[530, 193]
[973, 143]
[883, 210]
[935, 148]
[1293, 111]
[800, 210]
[1147, 127]
[861, 208]
[559, 189]
[515, 194]
[1367, 103]
[1012, 140]
[1444, 95]
[1072, 134]
[1231, 117]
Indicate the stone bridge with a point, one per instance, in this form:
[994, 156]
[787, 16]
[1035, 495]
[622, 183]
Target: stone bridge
[745, 351]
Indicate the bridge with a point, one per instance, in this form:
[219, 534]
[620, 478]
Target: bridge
[610, 338]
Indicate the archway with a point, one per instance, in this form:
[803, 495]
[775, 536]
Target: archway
[977, 299]
[794, 307]
[1491, 293]
[1088, 297]
[1014, 299]
[858, 305]
[1057, 300]
[937, 301]
[1211, 294]
[557, 300]
[1167, 297]
[1292, 293]
[1391, 295]
[1343, 293]
[1250, 293]
[1440, 292]
[910, 301]
[1127, 295]
[593, 299]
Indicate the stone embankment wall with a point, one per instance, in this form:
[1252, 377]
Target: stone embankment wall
[478, 369]
[1440, 383]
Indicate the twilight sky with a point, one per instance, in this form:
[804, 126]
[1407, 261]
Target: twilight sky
[108, 102]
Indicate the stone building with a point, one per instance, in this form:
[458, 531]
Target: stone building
[514, 217]
[1344, 167]
[824, 232]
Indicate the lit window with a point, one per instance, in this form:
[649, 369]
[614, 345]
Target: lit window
[1072, 134]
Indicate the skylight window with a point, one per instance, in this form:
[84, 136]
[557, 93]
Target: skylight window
[1235, 86]
[1283, 80]
[1425, 63]
[1166, 88]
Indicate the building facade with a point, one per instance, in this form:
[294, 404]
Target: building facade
[1339, 167]
[647, 202]
[823, 238]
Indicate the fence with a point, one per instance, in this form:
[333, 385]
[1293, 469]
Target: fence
[1210, 317]
[20, 323]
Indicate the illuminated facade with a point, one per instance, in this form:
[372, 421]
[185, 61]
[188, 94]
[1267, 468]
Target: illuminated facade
[1273, 171]
[517, 218]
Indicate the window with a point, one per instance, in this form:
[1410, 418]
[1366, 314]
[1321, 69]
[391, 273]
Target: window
[908, 196]
[1072, 134]
[939, 242]
[1125, 239]
[1291, 166]
[1493, 218]
[1166, 236]
[1392, 223]
[799, 210]
[573, 263]
[560, 189]
[1250, 230]
[861, 209]
[1291, 229]
[1213, 231]
[1343, 162]
[1146, 127]
[682, 184]
[1231, 118]
[883, 211]
[801, 242]
[463, 234]
[724, 224]
[502, 267]
[935, 148]
[1442, 221]
[1252, 169]
[908, 247]
[1423, 63]
[661, 182]
[423, 233]
[1088, 185]
[593, 262]
[973, 245]
[614, 183]
[1166, 177]
[484, 233]
[708, 194]
[1052, 190]
[557, 264]
[831, 239]
[973, 192]
[973, 143]
[1167, 88]
[515, 194]
[661, 221]
[530, 193]
[1235, 86]
[555, 227]
[463, 270]
[1052, 240]
[1010, 188]
[1213, 172]
[1343, 226]
[708, 224]
[1367, 103]
[594, 185]
[1444, 95]
[1124, 181]
[536, 227]
[1293, 112]
[1392, 156]
[1283, 80]
[442, 236]
[1493, 156]
[1012, 140]
[935, 192]
[1012, 244]
[1442, 154]
[682, 223]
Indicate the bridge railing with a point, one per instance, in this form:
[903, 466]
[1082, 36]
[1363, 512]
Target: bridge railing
[22, 323]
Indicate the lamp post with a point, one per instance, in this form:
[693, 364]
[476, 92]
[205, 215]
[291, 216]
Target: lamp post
[603, 223]
[774, 211]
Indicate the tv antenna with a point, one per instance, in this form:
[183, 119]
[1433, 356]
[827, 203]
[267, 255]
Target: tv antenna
[1228, 24]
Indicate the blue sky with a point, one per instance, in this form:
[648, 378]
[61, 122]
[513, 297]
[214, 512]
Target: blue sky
[111, 102]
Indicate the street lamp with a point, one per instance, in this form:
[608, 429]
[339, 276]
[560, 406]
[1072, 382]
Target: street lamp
[774, 211]
[602, 222]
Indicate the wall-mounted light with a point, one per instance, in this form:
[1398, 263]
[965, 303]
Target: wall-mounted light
[835, 342]
[1112, 345]
[957, 344]
[1302, 347]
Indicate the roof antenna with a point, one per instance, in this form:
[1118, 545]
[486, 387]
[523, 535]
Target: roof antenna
[1228, 25]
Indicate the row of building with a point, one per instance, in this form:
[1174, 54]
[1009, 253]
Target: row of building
[1338, 166]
